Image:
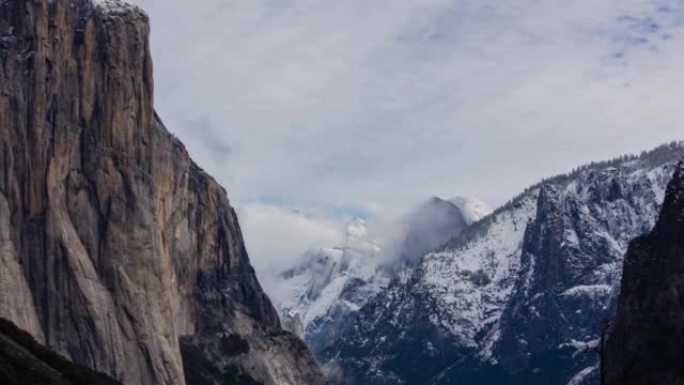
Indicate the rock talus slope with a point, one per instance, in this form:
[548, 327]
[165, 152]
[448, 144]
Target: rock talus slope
[120, 253]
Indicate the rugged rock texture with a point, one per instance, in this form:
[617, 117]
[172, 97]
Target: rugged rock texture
[115, 245]
[509, 299]
[647, 342]
[25, 362]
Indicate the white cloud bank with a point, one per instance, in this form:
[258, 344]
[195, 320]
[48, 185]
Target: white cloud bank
[277, 237]
[337, 105]
[327, 103]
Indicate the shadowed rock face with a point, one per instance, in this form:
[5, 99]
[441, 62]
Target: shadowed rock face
[113, 243]
[647, 343]
[25, 362]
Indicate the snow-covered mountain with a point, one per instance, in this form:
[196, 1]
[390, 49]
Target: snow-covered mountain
[505, 301]
[329, 285]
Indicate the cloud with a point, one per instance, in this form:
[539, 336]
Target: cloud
[278, 237]
[358, 103]
[358, 107]
[211, 139]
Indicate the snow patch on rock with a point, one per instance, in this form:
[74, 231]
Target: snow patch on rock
[117, 7]
[582, 375]
[594, 291]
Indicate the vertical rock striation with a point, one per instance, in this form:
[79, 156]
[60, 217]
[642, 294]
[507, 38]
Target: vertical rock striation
[647, 343]
[114, 245]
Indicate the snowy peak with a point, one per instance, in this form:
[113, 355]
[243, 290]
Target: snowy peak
[471, 208]
[359, 239]
[431, 225]
[331, 284]
[319, 288]
[356, 229]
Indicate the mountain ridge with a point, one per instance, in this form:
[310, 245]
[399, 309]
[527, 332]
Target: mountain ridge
[460, 317]
[340, 280]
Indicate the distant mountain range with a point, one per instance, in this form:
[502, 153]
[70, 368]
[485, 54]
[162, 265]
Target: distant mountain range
[505, 299]
[330, 284]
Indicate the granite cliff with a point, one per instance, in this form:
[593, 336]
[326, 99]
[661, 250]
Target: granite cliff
[646, 345]
[116, 250]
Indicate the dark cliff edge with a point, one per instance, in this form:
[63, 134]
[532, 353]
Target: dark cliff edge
[23, 361]
[116, 250]
[646, 345]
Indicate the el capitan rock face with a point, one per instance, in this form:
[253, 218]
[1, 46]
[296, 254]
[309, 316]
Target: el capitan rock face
[120, 253]
[647, 343]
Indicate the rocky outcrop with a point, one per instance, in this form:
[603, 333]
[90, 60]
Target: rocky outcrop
[119, 252]
[647, 342]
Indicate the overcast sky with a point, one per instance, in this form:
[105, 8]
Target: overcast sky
[357, 107]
